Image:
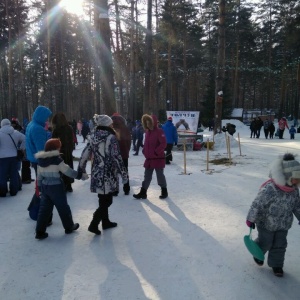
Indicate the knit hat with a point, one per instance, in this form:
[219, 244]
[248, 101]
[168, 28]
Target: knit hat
[103, 120]
[52, 144]
[290, 167]
[170, 118]
[5, 122]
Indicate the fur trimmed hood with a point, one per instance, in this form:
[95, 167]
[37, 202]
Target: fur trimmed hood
[149, 122]
[283, 169]
[44, 154]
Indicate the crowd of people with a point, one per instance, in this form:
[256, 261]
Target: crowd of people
[48, 150]
[48, 141]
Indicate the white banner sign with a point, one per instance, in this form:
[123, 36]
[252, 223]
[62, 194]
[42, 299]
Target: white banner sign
[185, 121]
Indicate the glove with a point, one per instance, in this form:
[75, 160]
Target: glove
[84, 176]
[175, 144]
[250, 224]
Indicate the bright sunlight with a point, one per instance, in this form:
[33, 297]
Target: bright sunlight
[72, 6]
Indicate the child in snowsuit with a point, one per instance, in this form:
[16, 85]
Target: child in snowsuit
[292, 132]
[52, 188]
[273, 208]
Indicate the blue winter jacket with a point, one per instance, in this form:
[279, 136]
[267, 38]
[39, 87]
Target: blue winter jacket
[36, 135]
[170, 132]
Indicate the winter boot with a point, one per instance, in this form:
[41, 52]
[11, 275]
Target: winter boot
[94, 228]
[141, 195]
[75, 227]
[41, 235]
[106, 223]
[164, 193]
[126, 188]
[97, 217]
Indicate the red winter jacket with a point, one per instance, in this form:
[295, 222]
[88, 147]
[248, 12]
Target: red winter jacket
[282, 124]
[154, 144]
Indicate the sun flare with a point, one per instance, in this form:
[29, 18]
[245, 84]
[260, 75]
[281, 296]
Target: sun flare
[72, 6]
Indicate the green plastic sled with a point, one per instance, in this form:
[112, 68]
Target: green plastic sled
[253, 248]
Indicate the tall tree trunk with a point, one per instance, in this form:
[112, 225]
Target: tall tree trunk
[148, 107]
[132, 106]
[96, 61]
[220, 68]
[10, 60]
[106, 68]
[235, 102]
[119, 78]
[49, 82]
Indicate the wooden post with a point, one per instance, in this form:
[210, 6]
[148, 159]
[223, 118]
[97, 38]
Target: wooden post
[207, 155]
[226, 140]
[239, 144]
[229, 151]
[184, 156]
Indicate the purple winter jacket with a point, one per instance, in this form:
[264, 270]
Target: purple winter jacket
[154, 144]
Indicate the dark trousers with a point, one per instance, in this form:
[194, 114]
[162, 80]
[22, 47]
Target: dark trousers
[281, 131]
[169, 156]
[9, 170]
[275, 242]
[126, 186]
[101, 213]
[134, 144]
[26, 171]
[266, 133]
[138, 145]
[161, 179]
[54, 195]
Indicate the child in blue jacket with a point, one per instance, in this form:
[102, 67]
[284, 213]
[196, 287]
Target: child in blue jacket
[292, 132]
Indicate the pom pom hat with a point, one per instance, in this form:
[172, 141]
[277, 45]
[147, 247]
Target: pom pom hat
[170, 119]
[52, 144]
[284, 169]
[103, 120]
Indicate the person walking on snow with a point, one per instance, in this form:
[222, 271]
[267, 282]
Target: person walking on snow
[9, 163]
[52, 188]
[282, 124]
[273, 208]
[292, 132]
[154, 152]
[172, 138]
[139, 135]
[266, 127]
[107, 163]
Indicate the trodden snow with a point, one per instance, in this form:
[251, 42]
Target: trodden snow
[188, 246]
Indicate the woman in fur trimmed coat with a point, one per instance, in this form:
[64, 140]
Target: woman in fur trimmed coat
[107, 163]
[273, 208]
[154, 152]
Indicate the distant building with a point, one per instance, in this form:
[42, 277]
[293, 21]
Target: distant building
[247, 115]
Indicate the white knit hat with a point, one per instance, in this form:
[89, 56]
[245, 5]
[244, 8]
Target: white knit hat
[103, 120]
[290, 168]
[5, 122]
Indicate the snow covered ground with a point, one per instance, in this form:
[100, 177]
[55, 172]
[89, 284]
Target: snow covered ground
[188, 246]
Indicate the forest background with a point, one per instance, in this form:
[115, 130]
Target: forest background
[148, 56]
